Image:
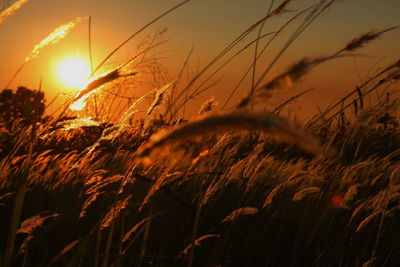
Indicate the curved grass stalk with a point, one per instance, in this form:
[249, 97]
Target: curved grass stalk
[266, 122]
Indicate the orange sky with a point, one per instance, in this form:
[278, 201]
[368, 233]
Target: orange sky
[206, 25]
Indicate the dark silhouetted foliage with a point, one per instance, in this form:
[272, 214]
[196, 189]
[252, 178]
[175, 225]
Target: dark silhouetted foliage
[25, 104]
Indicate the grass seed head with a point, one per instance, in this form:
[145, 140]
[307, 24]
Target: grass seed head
[159, 97]
[55, 36]
[365, 38]
[208, 105]
[267, 122]
[12, 9]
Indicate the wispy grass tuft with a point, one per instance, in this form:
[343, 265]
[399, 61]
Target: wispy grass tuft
[159, 97]
[55, 36]
[365, 38]
[208, 105]
[102, 80]
[266, 122]
[12, 9]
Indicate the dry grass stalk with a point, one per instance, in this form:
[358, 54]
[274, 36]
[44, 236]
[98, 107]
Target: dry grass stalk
[282, 8]
[92, 198]
[272, 195]
[303, 66]
[159, 97]
[367, 220]
[100, 184]
[197, 243]
[279, 10]
[266, 122]
[114, 212]
[240, 212]
[132, 110]
[137, 32]
[76, 123]
[12, 9]
[370, 262]
[65, 250]
[351, 193]
[208, 105]
[305, 192]
[30, 224]
[128, 235]
[370, 80]
[292, 75]
[102, 80]
[315, 12]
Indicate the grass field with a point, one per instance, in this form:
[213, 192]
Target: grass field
[238, 187]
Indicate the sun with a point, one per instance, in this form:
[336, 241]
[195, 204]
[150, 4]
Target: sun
[73, 71]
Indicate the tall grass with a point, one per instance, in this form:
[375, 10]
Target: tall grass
[241, 187]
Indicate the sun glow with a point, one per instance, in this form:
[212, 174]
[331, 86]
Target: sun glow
[73, 72]
[79, 104]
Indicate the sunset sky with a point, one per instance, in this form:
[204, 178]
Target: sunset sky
[207, 26]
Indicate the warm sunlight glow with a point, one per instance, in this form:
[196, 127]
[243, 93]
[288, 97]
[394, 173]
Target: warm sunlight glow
[73, 72]
[79, 104]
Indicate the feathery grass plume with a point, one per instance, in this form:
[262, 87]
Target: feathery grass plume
[266, 122]
[305, 192]
[315, 11]
[159, 97]
[55, 36]
[75, 123]
[303, 66]
[208, 105]
[12, 9]
[29, 226]
[31, 223]
[292, 75]
[114, 212]
[97, 82]
[128, 235]
[99, 185]
[115, 131]
[360, 41]
[132, 109]
[272, 195]
[240, 212]
[81, 96]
